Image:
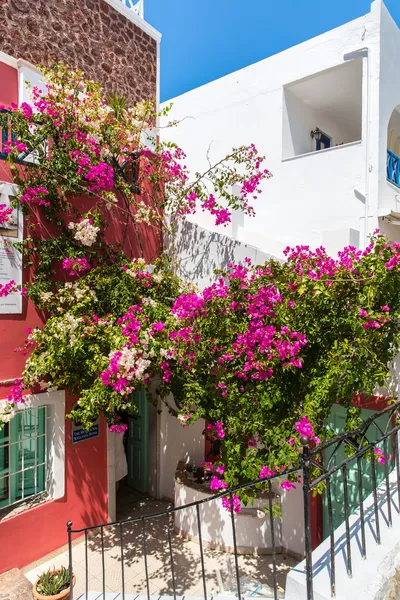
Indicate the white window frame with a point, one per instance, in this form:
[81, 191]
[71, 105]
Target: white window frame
[55, 434]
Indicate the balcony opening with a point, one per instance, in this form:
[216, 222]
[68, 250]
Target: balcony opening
[323, 111]
[393, 148]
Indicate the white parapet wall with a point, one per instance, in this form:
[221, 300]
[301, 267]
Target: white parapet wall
[252, 524]
[371, 576]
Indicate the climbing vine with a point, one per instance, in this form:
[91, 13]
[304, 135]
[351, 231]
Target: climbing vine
[253, 353]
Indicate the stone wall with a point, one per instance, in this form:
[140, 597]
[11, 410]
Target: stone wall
[86, 34]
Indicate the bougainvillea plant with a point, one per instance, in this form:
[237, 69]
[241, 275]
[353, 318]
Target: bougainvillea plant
[95, 184]
[262, 354]
[266, 345]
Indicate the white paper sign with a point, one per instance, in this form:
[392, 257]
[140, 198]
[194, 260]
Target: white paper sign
[10, 258]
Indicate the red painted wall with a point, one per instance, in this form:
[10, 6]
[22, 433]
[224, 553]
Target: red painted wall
[38, 531]
[8, 96]
[9, 85]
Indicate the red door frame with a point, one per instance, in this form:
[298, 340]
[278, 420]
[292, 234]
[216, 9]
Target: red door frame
[375, 403]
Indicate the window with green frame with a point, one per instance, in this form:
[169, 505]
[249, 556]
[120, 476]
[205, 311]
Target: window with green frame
[23, 452]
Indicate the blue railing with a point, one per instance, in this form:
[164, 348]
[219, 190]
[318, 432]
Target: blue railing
[393, 168]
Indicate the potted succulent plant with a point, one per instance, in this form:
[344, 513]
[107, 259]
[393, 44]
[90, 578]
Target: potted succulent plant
[53, 584]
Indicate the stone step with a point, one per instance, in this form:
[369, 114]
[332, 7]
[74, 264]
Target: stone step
[14, 586]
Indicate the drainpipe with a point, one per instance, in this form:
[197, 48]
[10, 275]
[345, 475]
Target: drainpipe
[364, 53]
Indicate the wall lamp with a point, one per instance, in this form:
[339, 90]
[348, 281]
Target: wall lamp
[316, 134]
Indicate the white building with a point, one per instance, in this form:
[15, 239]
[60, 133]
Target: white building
[342, 83]
[326, 115]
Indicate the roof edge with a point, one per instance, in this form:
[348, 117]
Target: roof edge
[132, 16]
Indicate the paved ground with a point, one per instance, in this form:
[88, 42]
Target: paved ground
[186, 558]
[14, 586]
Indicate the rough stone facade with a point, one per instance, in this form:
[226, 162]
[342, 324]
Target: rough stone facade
[86, 34]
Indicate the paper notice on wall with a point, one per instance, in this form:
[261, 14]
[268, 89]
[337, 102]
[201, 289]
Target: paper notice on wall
[10, 257]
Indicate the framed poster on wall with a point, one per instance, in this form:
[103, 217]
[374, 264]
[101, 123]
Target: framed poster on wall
[10, 257]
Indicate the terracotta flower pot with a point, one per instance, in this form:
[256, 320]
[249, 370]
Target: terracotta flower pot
[64, 595]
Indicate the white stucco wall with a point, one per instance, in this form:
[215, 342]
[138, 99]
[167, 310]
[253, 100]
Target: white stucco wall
[177, 443]
[389, 98]
[199, 252]
[372, 576]
[252, 532]
[313, 195]
[292, 524]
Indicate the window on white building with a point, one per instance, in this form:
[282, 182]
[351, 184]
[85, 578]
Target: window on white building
[323, 110]
[23, 456]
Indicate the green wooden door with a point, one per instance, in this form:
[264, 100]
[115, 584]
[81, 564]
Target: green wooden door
[138, 443]
[336, 421]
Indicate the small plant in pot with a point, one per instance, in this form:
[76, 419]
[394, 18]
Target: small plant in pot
[53, 584]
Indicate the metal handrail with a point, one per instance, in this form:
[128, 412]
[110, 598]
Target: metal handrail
[355, 440]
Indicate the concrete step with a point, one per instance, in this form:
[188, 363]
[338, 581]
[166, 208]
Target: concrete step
[14, 586]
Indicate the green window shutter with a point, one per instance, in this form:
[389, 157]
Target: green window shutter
[41, 449]
[4, 464]
[16, 457]
[23, 456]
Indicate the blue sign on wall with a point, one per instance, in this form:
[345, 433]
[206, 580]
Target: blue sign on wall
[79, 434]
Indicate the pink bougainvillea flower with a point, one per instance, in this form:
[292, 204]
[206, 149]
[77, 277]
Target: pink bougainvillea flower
[266, 472]
[118, 428]
[5, 214]
[304, 428]
[15, 396]
[232, 503]
[217, 484]
[288, 485]
[8, 288]
[75, 266]
[207, 466]
[381, 458]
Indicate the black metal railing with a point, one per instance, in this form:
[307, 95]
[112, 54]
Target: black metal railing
[365, 448]
[346, 461]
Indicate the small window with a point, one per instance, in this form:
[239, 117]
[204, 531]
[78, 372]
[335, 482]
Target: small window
[23, 452]
[323, 141]
[6, 134]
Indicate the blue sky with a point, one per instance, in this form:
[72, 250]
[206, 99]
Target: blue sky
[206, 39]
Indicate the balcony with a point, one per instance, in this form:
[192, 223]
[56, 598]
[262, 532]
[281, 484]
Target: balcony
[393, 168]
[323, 110]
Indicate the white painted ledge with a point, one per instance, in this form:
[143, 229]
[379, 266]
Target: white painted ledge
[372, 576]
[252, 533]
[323, 151]
[132, 16]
